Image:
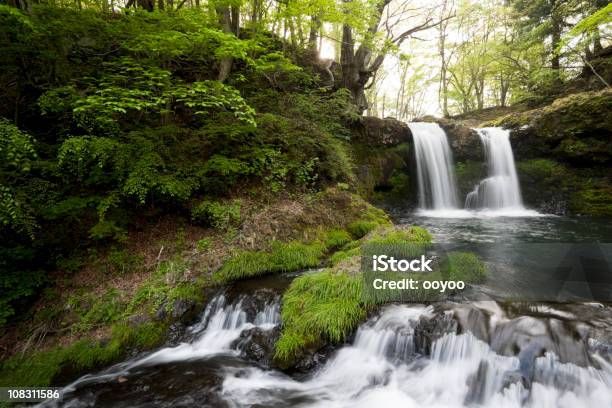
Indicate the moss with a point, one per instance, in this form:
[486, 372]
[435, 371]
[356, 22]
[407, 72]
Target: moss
[593, 199]
[542, 169]
[318, 307]
[382, 169]
[283, 257]
[568, 117]
[40, 368]
[370, 219]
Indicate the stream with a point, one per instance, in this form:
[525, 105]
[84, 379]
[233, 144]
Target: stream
[479, 353]
[535, 334]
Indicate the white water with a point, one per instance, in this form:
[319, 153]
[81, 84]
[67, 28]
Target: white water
[381, 370]
[500, 191]
[435, 171]
[221, 324]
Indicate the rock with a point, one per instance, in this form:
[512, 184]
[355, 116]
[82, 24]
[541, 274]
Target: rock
[464, 141]
[430, 329]
[258, 345]
[180, 307]
[378, 132]
[162, 311]
[257, 301]
[576, 129]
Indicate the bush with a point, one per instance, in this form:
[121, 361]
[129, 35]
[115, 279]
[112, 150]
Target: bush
[217, 214]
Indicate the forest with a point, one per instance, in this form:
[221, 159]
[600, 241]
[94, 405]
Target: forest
[154, 150]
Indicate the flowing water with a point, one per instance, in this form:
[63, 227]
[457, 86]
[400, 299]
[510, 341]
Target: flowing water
[435, 170]
[470, 354]
[387, 363]
[500, 190]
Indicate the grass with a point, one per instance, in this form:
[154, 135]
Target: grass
[283, 257]
[318, 307]
[167, 284]
[40, 368]
[337, 238]
[464, 266]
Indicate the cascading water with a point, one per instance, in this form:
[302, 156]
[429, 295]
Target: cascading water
[435, 171]
[385, 365]
[382, 368]
[500, 190]
[222, 323]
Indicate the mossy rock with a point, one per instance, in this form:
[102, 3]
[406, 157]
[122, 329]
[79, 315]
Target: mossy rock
[383, 173]
[576, 129]
[595, 200]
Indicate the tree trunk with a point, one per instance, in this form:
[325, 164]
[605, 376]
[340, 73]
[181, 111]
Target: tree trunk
[315, 26]
[225, 20]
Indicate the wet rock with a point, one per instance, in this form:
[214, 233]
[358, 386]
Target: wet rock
[473, 320]
[162, 311]
[257, 301]
[429, 329]
[180, 307]
[311, 360]
[175, 333]
[258, 344]
[464, 141]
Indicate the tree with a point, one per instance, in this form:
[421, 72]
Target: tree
[387, 25]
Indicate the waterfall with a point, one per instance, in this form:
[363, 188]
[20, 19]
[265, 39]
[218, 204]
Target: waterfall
[500, 190]
[215, 334]
[220, 326]
[435, 171]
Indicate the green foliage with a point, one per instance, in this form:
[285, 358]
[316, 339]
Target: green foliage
[16, 148]
[217, 214]
[40, 368]
[337, 238]
[318, 307]
[464, 266]
[283, 257]
[411, 235]
[204, 244]
[95, 311]
[167, 284]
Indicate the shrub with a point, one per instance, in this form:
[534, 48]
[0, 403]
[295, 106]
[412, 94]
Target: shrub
[217, 214]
